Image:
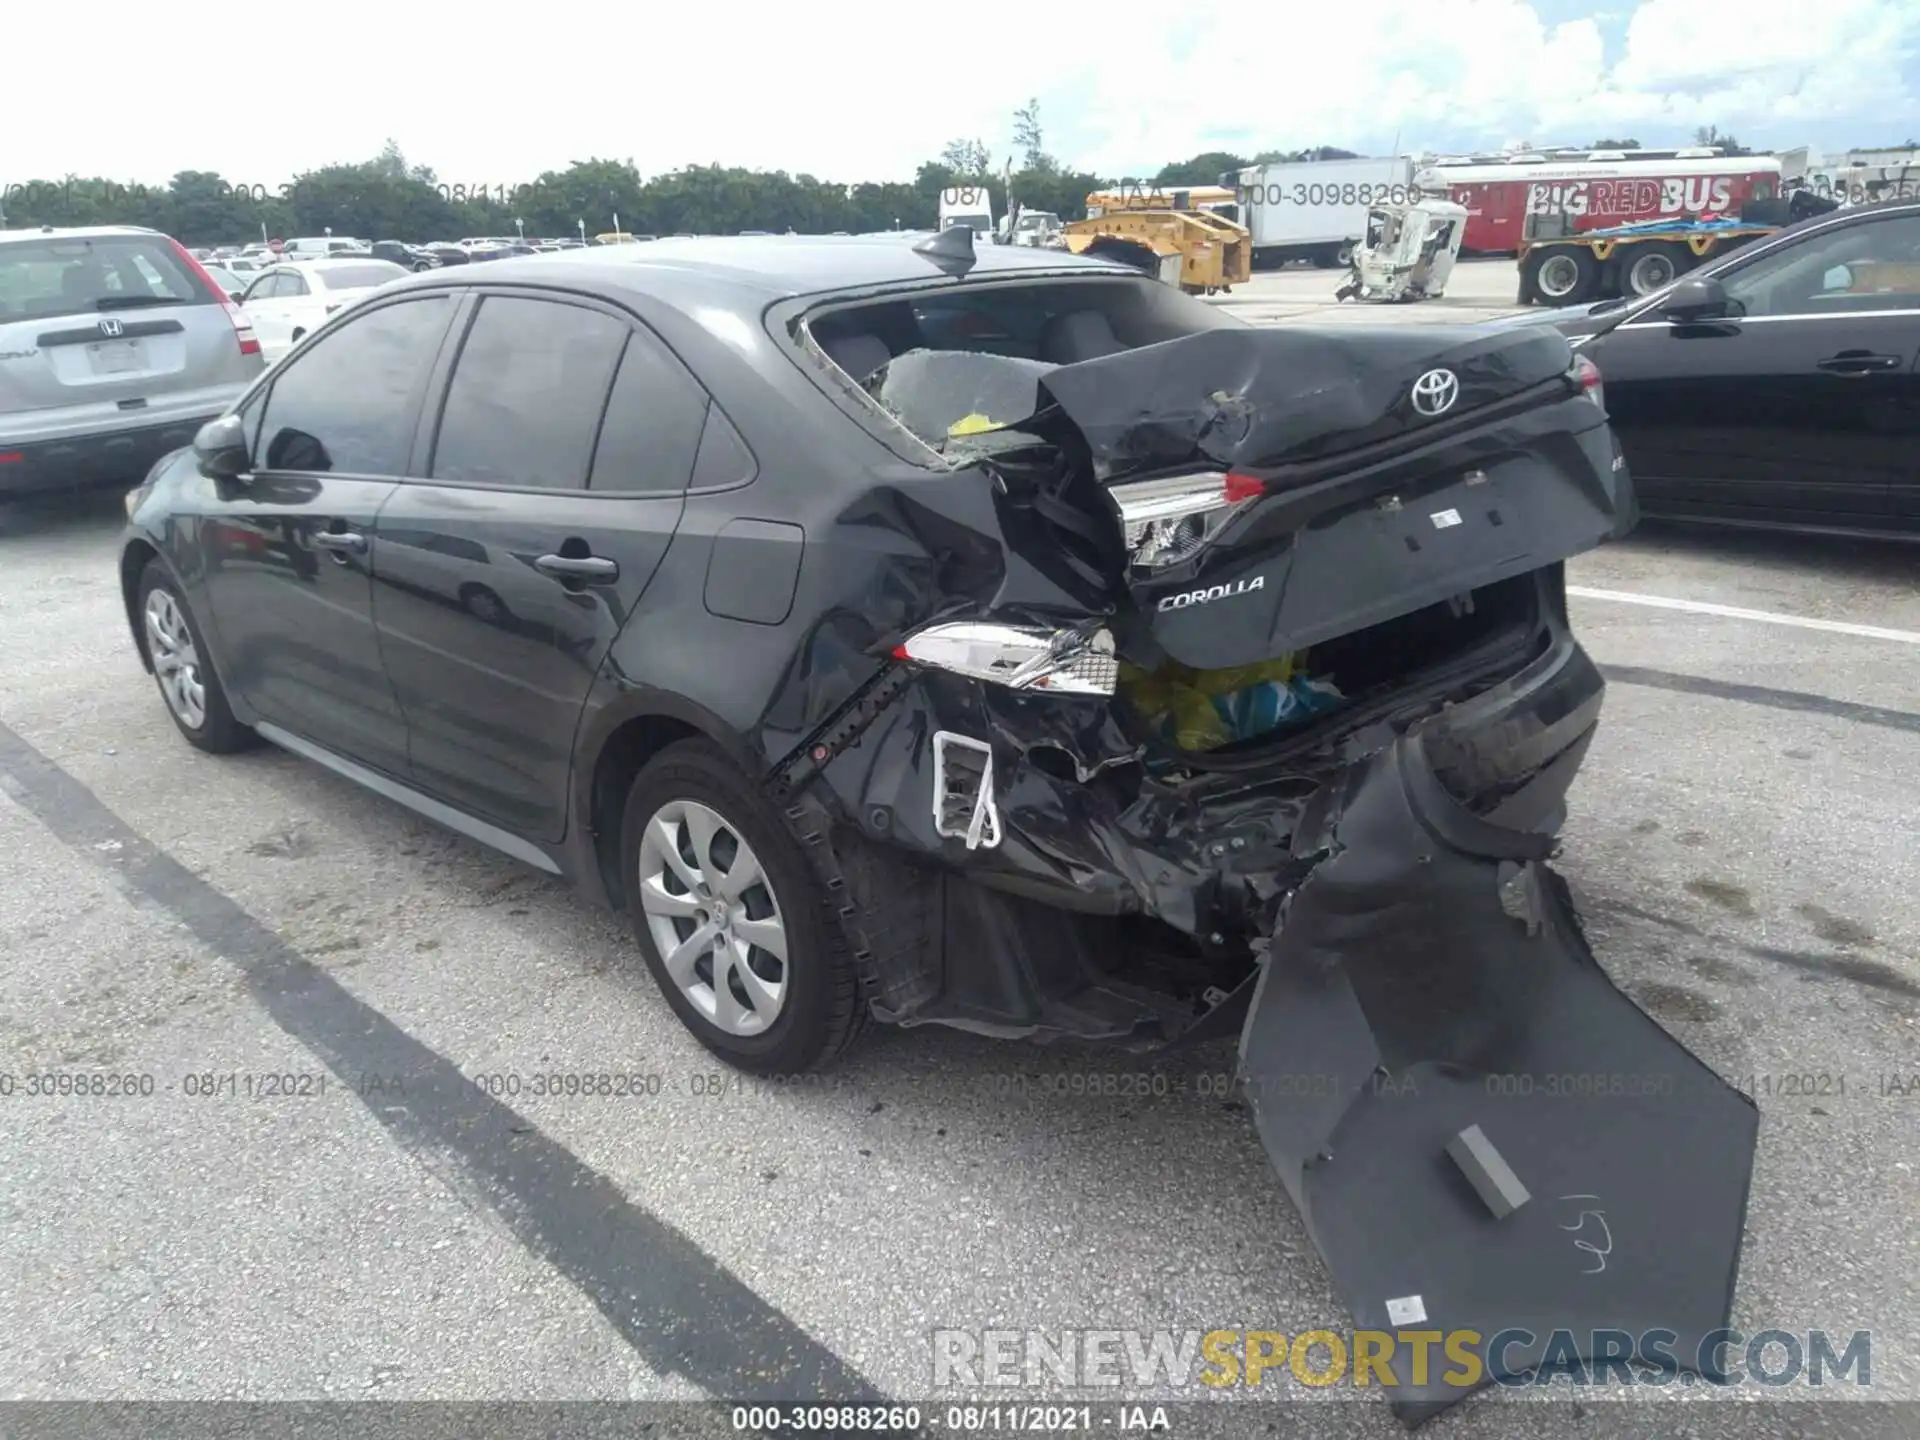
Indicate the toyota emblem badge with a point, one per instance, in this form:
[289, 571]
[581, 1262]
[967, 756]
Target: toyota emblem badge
[1435, 392]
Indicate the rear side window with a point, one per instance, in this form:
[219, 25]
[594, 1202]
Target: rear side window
[345, 406]
[526, 396]
[654, 420]
[56, 275]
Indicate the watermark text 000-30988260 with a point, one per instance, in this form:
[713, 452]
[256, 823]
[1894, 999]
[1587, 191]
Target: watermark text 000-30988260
[1300, 195]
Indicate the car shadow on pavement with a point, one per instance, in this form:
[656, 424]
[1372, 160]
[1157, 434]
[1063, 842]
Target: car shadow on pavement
[63, 516]
[1837, 557]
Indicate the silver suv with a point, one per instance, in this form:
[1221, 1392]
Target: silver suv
[115, 347]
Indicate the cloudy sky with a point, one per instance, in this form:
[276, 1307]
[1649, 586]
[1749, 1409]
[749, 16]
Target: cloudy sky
[499, 93]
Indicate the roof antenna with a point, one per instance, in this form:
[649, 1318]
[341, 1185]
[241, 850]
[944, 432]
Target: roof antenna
[951, 249]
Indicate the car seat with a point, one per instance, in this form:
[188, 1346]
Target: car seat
[1078, 335]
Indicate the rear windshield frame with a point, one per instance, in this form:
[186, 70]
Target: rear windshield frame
[792, 321]
[52, 255]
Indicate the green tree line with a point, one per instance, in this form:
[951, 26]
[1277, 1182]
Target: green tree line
[387, 197]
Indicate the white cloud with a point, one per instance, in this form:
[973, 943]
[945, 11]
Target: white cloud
[493, 97]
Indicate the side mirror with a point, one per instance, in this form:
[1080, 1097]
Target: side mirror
[1698, 298]
[1840, 277]
[234, 295]
[221, 448]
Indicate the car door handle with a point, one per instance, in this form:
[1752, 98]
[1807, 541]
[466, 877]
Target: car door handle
[1860, 362]
[594, 569]
[350, 542]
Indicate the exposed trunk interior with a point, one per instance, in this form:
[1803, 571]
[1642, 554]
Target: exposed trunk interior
[1382, 672]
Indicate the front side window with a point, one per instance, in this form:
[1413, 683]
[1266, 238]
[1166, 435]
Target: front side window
[345, 405]
[524, 404]
[1871, 265]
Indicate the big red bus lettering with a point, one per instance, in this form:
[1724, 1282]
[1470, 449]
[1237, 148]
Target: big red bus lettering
[1624, 199]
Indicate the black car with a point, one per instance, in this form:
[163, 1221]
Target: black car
[1779, 387]
[447, 253]
[1010, 642]
[414, 257]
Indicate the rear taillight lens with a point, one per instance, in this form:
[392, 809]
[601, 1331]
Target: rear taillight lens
[1020, 657]
[1170, 520]
[1586, 375]
[242, 327]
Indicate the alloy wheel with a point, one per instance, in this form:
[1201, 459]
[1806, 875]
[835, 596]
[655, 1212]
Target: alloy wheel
[713, 917]
[176, 662]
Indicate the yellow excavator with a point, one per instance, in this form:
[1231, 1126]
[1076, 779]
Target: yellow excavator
[1186, 235]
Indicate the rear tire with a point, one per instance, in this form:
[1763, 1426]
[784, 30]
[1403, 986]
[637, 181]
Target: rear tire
[194, 697]
[1563, 274]
[792, 1011]
[485, 606]
[1647, 267]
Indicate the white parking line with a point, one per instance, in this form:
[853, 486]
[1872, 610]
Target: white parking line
[1734, 612]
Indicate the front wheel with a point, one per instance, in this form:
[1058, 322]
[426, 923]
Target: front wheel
[194, 696]
[731, 920]
[1564, 274]
[1653, 265]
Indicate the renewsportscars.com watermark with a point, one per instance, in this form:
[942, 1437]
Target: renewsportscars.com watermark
[1146, 1360]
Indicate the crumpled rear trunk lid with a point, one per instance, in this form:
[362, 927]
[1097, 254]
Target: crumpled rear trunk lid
[1280, 395]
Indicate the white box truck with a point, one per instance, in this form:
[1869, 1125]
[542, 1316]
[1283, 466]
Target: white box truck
[969, 203]
[1316, 210]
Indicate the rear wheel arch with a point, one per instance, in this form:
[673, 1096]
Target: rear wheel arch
[619, 747]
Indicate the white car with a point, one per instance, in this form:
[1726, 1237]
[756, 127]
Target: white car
[318, 247]
[293, 298]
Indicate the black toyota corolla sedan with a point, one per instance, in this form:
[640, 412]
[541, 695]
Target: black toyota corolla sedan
[1011, 642]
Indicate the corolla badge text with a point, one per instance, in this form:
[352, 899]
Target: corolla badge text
[1212, 592]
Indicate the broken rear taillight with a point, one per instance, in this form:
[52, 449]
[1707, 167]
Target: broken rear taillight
[1171, 519]
[1021, 657]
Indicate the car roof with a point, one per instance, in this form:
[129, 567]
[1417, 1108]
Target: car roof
[74, 232]
[770, 268]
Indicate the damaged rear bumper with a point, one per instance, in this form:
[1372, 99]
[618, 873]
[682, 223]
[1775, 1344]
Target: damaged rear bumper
[1486, 1139]
[996, 846]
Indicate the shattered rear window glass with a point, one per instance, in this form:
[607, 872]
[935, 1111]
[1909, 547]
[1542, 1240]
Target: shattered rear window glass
[949, 397]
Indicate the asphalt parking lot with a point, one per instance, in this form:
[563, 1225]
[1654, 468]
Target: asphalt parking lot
[413, 1223]
[1477, 290]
